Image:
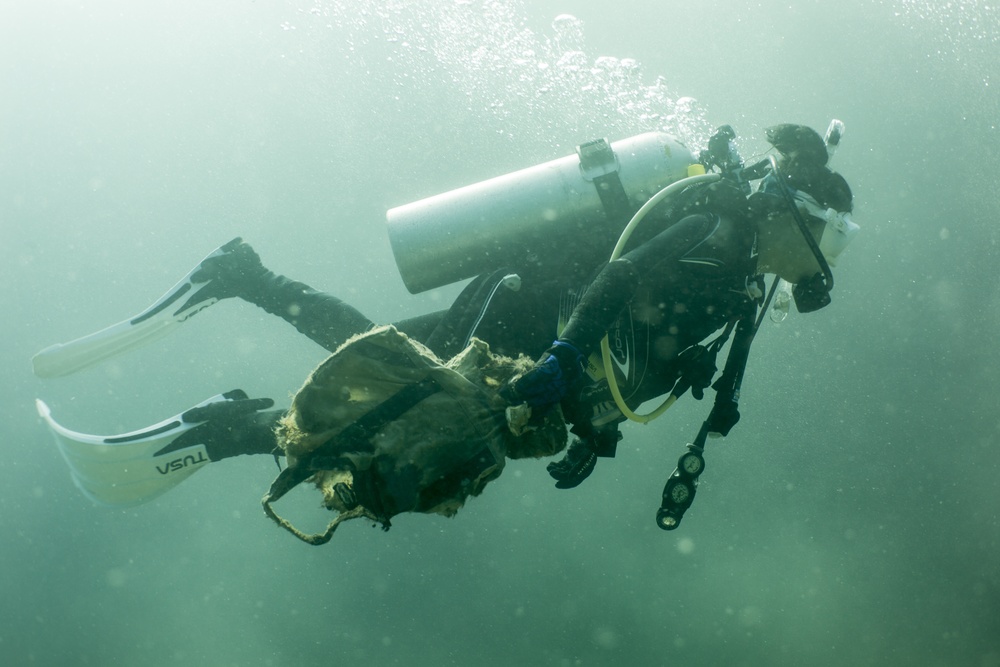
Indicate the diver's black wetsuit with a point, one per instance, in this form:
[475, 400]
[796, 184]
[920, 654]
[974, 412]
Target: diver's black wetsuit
[677, 286]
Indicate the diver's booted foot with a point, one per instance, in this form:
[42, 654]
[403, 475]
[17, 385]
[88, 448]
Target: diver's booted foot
[234, 270]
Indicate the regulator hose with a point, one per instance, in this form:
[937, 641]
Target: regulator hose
[609, 371]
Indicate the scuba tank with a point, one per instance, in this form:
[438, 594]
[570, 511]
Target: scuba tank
[536, 220]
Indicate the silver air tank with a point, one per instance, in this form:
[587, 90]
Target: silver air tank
[543, 218]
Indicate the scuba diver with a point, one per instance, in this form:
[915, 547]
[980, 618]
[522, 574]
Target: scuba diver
[608, 336]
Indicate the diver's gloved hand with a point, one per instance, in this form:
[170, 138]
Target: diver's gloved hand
[581, 457]
[576, 466]
[554, 374]
[697, 366]
[723, 418]
[231, 427]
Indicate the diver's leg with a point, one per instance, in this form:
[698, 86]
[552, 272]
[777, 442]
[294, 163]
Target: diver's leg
[322, 317]
[422, 327]
[522, 321]
[247, 434]
[235, 426]
[140, 465]
[512, 320]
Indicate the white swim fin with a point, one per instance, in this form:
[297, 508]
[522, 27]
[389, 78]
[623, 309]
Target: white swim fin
[182, 301]
[131, 468]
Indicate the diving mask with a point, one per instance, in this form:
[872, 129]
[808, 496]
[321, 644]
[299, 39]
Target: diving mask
[838, 232]
[839, 228]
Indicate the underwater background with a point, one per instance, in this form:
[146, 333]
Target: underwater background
[851, 518]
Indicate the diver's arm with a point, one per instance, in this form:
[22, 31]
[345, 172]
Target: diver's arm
[616, 284]
[561, 366]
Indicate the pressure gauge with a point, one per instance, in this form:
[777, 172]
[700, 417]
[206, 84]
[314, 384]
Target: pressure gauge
[680, 492]
[691, 464]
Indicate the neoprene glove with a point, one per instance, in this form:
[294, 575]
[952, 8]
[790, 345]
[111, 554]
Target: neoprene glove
[554, 374]
[697, 366]
[575, 467]
[581, 457]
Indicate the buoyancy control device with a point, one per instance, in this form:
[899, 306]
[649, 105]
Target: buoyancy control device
[572, 207]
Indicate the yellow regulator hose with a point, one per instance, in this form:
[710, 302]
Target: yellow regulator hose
[609, 370]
